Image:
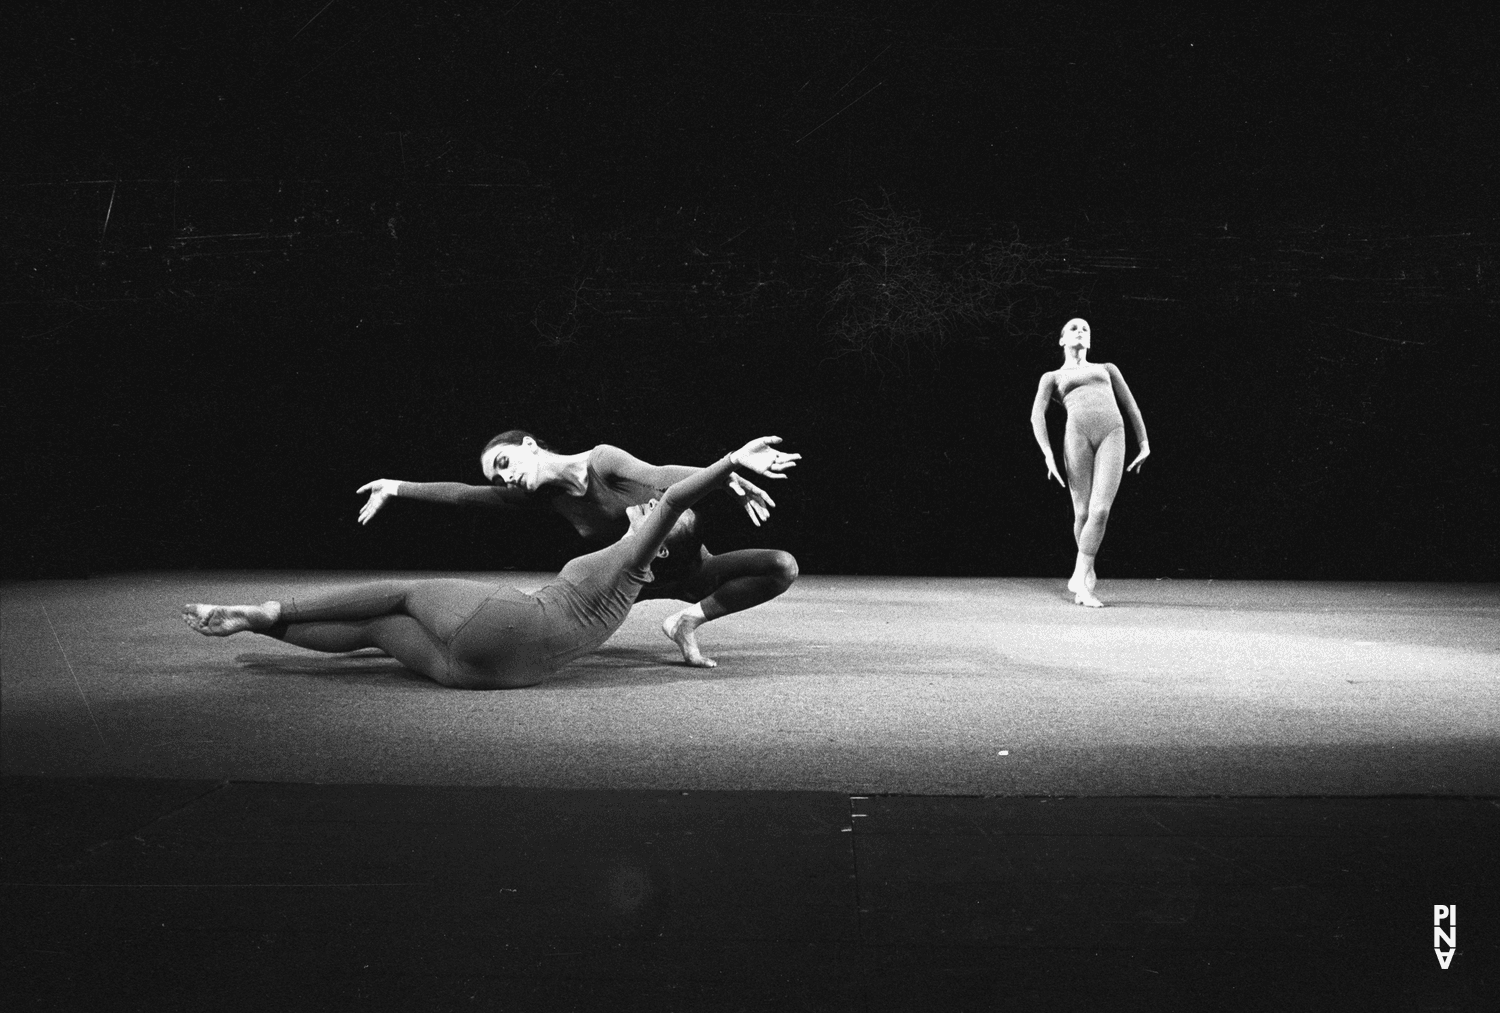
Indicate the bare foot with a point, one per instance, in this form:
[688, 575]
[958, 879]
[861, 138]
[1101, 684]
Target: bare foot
[682, 629]
[1087, 600]
[1084, 584]
[227, 620]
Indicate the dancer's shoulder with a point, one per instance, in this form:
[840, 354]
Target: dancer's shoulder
[607, 457]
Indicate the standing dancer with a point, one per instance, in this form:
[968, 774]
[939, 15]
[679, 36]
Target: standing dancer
[472, 635]
[593, 490]
[1093, 444]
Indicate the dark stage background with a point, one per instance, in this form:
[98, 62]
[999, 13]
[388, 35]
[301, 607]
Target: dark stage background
[257, 256]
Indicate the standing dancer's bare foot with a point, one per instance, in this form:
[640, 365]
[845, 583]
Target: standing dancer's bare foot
[227, 620]
[682, 628]
[1087, 600]
[1082, 582]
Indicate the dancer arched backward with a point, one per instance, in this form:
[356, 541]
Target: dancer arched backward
[1093, 444]
[472, 635]
[593, 490]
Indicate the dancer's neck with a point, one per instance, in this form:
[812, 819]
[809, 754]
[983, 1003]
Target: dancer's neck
[567, 473]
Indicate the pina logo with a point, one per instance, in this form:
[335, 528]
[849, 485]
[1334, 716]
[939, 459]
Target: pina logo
[1441, 936]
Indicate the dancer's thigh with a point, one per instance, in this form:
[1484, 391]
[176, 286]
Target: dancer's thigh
[414, 645]
[410, 642]
[716, 570]
[727, 566]
[1078, 455]
[1109, 466]
[444, 605]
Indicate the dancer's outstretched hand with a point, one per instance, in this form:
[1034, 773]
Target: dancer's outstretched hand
[1052, 472]
[380, 490]
[1136, 464]
[752, 497]
[762, 457]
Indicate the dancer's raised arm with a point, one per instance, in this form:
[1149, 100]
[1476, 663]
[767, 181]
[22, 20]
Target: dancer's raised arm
[760, 456]
[614, 463]
[1044, 392]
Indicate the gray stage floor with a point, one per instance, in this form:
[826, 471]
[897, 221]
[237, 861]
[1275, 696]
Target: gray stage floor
[852, 685]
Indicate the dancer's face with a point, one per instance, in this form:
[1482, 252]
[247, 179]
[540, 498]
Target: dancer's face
[1075, 333]
[513, 465]
[636, 514]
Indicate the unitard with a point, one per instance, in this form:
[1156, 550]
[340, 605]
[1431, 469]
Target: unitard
[475, 635]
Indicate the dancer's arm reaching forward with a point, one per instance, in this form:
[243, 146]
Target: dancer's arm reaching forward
[1132, 412]
[451, 493]
[1044, 392]
[760, 456]
[612, 464]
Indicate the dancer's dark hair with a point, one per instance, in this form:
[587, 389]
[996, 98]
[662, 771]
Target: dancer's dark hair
[513, 438]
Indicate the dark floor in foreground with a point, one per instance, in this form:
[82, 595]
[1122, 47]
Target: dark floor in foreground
[157, 894]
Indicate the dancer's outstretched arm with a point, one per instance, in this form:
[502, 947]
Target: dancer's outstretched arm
[1044, 392]
[760, 456]
[614, 462]
[1132, 412]
[449, 493]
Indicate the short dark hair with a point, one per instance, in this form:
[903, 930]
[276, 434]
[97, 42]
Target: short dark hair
[513, 438]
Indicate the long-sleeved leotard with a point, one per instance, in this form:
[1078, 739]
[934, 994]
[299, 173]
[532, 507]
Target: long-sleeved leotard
[476, 635]
[616, 480]
[1093, 395]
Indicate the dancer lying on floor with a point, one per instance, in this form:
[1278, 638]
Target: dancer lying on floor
[473, 635]
[1093, 444]
[593, 490]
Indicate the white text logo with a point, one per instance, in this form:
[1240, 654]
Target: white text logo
[1444, 937]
